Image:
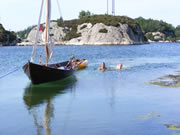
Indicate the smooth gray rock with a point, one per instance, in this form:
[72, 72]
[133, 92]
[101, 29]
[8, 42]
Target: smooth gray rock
[90, 35]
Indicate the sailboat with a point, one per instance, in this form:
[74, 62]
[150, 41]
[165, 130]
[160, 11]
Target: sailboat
[43, 73]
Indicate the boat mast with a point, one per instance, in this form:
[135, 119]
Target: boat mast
[113, 7]
[107, 7]
[46, 32]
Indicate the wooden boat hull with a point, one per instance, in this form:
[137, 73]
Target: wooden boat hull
[83, 64]
[42, 74]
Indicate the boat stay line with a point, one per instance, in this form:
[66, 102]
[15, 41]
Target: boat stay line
[11, 72]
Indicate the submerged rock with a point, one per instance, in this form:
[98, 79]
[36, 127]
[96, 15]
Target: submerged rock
[167, 81]
[149, 115]
[175, 134]
[172, 126]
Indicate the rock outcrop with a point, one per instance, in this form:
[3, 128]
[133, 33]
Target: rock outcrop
[98, 34]
[56, 34]
[156, 36]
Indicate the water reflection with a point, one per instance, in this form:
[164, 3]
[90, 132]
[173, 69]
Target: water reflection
[37, 96]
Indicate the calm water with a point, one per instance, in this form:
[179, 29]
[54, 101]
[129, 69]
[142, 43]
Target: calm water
[92, 102]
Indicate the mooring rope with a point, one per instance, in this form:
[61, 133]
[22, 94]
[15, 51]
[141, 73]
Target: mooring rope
[10, 73]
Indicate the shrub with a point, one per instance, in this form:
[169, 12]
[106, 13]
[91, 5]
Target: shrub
[72, 34]
[103, 30]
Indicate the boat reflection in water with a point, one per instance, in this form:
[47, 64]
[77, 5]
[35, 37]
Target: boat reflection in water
[37, 96]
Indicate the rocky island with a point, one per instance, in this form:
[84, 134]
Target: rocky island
[104, 30]
[93, 30]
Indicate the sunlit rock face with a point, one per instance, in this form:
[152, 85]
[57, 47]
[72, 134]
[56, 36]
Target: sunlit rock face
[114, 35]
[56, 33]
[93, 35]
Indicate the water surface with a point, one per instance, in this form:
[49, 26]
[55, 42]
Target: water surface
[92, 102]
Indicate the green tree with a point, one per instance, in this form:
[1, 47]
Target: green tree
[24, 33]
[60, 22]
[6, 36]
[2, 34]
[84, 14]
[150, 25]
[177, 32]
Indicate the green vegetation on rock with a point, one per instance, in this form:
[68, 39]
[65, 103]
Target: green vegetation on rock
[72, 33]
[103, 30]
[84, 26]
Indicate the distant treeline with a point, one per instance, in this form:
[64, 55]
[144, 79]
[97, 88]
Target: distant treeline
[150, 25]
[6, 36]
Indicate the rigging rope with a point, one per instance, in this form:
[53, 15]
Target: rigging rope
[10, 73]
[59, 9]
[61, 17]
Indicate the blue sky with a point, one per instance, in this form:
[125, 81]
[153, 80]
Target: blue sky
[19, 14]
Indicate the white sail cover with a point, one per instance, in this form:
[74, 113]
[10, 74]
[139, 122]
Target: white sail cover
[37, 33]
[49, 43]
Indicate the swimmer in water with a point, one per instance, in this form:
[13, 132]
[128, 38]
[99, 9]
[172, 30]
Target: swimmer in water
[102, 67]
[119, 66]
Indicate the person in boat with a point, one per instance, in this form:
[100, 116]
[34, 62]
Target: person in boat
[71, 64]
[102, 67]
